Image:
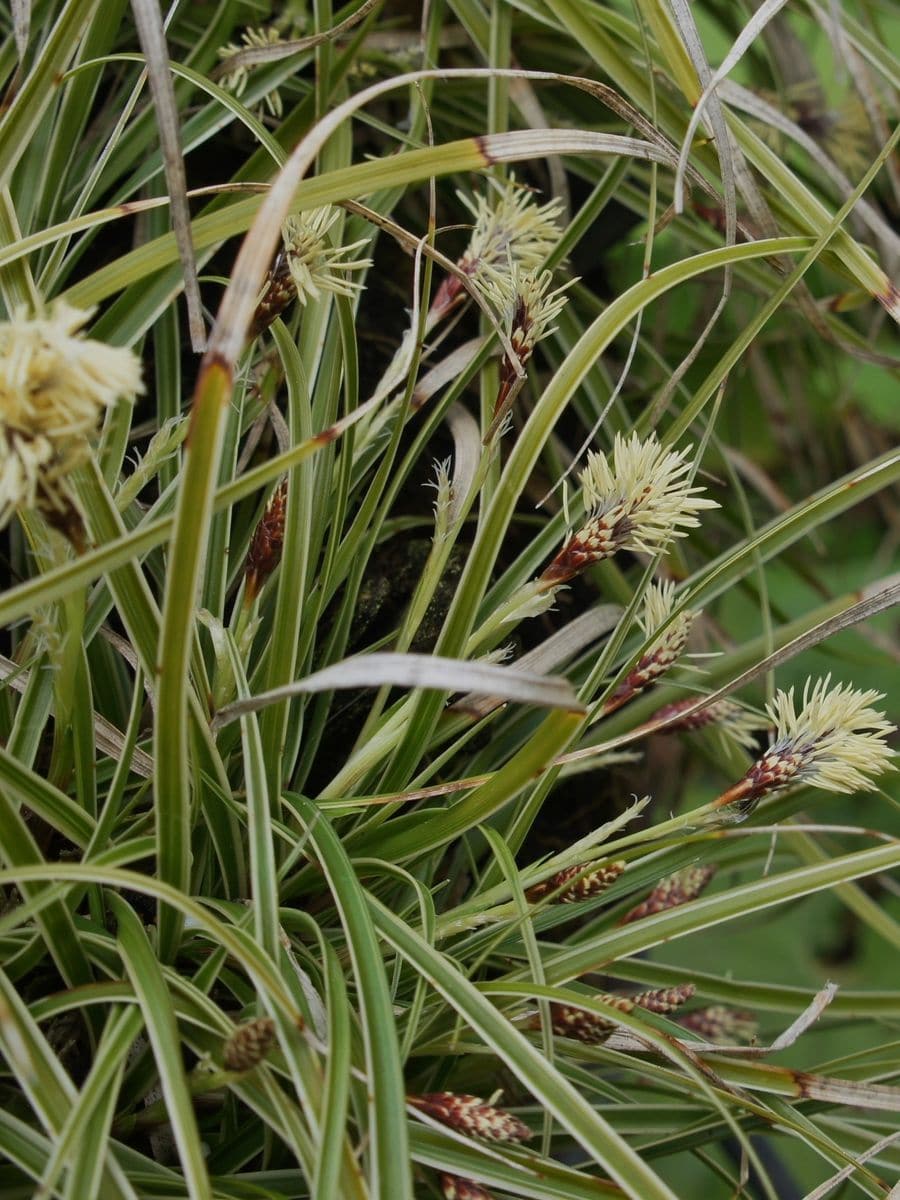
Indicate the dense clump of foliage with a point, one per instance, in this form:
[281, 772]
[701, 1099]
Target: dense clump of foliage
[447, 485]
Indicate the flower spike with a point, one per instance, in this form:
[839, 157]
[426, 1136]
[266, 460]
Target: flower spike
[472, 1116]
[733, 720]
[835, 741]
[576, 883]
[54, 385]
[314, 264]
[510, 231]
[671, 892]
[663, 652]
[529, 309]
[454, 1187]
[639, 501]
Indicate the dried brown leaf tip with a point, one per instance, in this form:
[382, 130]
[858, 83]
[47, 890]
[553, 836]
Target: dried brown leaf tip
[472, 1116]
[576, 883]
[264, 554]
[671, 892]
[249, 1044]
[454, 1187]
[718, 1023]
[835, 741]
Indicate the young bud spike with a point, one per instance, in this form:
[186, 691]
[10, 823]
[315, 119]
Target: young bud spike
[249, 1044]
[472, 1116]
[663, 652]
[671, 892]
[584, 883]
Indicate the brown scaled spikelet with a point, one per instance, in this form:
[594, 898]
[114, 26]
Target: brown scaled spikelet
[670, 892]
[585, 883]
[568, 1021]
[249, 1044]
[664, 1000]
[472, 1116]
[279, 292]
[264, 554]
[718, 1023]
[454, 1187]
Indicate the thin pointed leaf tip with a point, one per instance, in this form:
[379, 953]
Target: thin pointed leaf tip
[54, 385]
[639, 498]
[836, 741]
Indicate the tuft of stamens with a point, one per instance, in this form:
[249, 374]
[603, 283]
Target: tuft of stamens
[511, 230]
[672, 891]
[664, 651]
[266, 545]
[54, 386]
[573, 884]
[835, 741]
[454, 1187]
[249, 1044]
[718, 1023]
[639, 502]
[235, 80]
[314, 264]
[472, 1116]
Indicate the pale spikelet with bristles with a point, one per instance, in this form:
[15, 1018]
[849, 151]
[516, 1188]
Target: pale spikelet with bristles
[55, 384]
[534, 309]
[639, 499]
[573, 884]
[528, 313]
[511, 231]
[664, 651]
[718, 1023]
[235, 80]
[836, 741]
[736, 722]
[454, 1187]
[315, 265]
[511, 225]
[472, 1116]
[671, 892]
[249, 1044]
